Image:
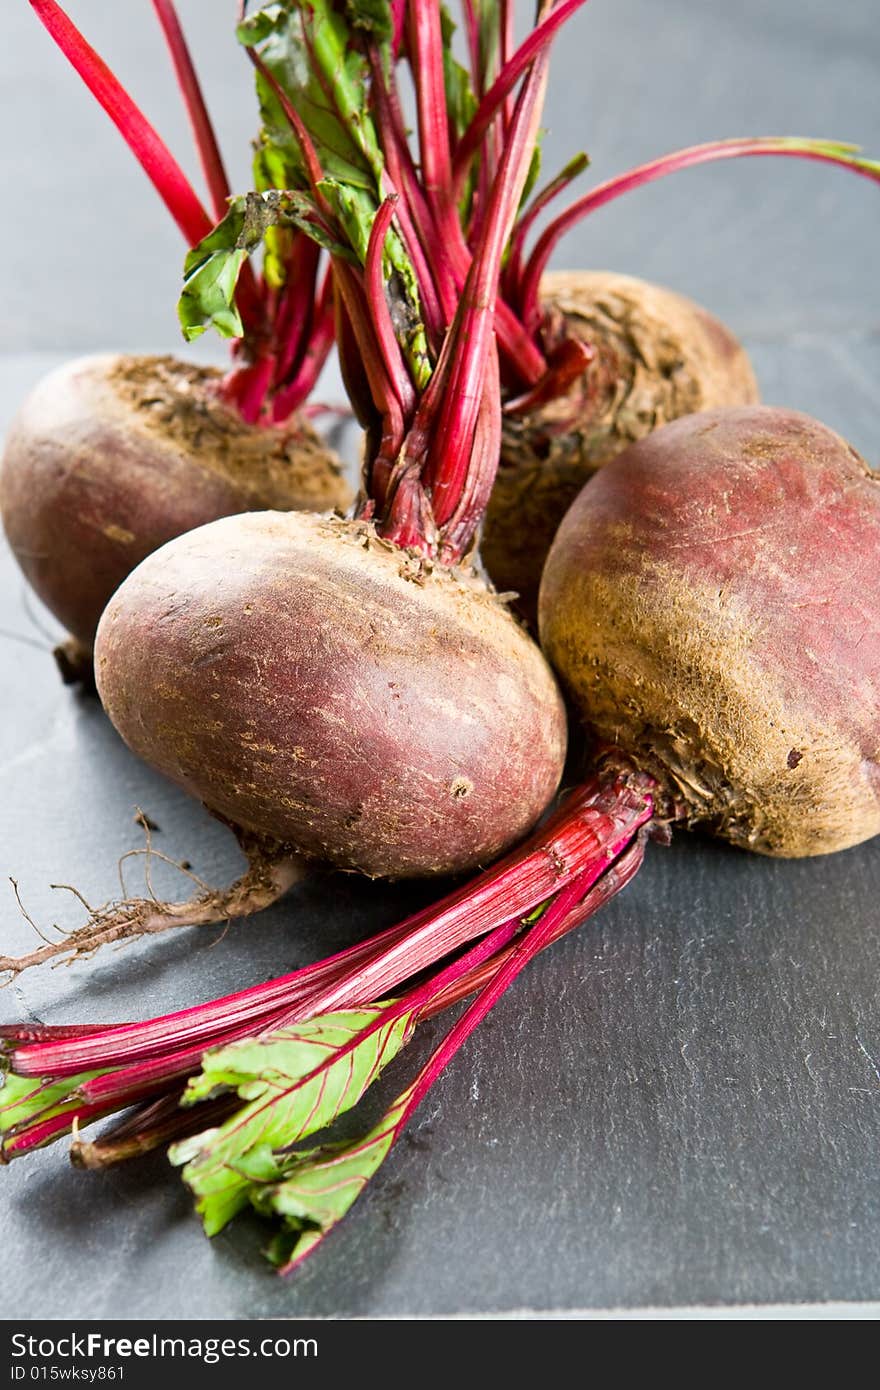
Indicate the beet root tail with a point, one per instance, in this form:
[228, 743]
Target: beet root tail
[271, 872]
[75, 663]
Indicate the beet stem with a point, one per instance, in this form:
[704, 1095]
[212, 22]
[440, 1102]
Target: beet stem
[413, 215]
[142, 139]
[786, 146]
[380, 314]
[296, 304]
[472, 338]
[612, 881]
[319, 345]
[162, 1121]
[565, 910]
[521, 953]
[591, 847]
[496, 97]
[148, 1128]
[601, 813]
[204, 134]
[573, 169]
[426, 56]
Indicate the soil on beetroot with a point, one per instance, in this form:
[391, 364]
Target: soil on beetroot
[708, 602]
[658, 356]
[110, 457]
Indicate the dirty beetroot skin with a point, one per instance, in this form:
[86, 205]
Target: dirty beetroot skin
[110, 457]
[711, 604]
[314, 683]
[658, 356]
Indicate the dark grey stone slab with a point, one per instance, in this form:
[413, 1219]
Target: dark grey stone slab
[681, 1103]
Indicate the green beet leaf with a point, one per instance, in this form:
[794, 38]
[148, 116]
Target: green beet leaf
[318, 1188]
[316, 54]
[311, 53]
[295, 1082]
[212, 267]
[24, 1099]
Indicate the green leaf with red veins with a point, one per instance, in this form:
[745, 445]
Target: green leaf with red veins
[318, 1188]
[211, 269]
[24, 1098]
[310, 50]
[316, 53]
[295, 1082]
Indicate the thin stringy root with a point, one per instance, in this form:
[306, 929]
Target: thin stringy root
[272, 870]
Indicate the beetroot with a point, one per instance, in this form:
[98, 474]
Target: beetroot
[655, 356]
[709, 604]
[109, 457]
[312, 682]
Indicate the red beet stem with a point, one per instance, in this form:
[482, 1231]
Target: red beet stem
[295, 307]
[441, 262]
[506, 35]
[149, 149]
[349, 281]
[539, 203]
[151, 1127]
[529, 302]
[36, 1133]
[420, 236]
[426, 56]
[245, 388]
[494, 100]
[44, 1032]
[319, 345]
[605, 812]
[380, 313]
[612, 881]
[472, 34]
[535, 939]
[375, 979]
[472, 337]
[204, 134]
[615, 809]
[128, 1083]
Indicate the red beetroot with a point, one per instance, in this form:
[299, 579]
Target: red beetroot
[110, 457]
[709, 604]
[310, 681]
[655, 356]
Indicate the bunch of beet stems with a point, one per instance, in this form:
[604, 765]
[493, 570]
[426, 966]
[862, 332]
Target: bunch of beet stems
[282, 334]
[442, 200]
[287, 332]
[584, 854]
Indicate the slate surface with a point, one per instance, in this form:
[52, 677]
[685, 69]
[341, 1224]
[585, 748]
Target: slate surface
[681, 1104]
